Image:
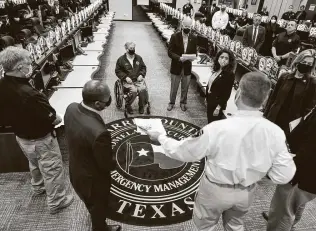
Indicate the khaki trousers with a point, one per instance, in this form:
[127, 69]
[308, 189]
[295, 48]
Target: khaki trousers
[175, 82]
[46, 168]
[135, 88]
[287, 207]
[213, 200]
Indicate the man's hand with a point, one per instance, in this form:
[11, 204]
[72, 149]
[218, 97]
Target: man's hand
[128, 80]
[140, 78]
[182, 59]
[153, 135]
[58, 120]
[277, 58]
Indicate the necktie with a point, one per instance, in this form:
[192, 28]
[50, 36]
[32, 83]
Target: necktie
[254, 35]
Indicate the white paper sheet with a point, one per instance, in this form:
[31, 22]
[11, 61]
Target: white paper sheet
[189, 56]
[149, 124]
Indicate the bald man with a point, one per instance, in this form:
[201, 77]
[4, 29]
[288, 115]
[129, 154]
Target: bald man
[90, 152]
[181, 42]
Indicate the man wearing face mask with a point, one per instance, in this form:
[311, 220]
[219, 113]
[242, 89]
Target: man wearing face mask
[240, 151]
[188, 9]
[285, 43]
[90, 152]
[289, 15]
[33, 120]
[131, 69]
[254, 35]
[220, 19]
[182, 42]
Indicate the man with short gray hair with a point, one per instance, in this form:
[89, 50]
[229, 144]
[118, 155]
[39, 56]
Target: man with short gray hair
[33, 120]
[90, 152]
[240, 151]
[254, 35]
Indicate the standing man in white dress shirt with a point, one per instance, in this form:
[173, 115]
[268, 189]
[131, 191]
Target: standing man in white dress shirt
[254, 35]
[240, 151]
[220, 19]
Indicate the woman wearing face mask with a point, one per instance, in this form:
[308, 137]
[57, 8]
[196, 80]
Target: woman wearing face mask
[272, 30]
[220, 84]
[294, 94]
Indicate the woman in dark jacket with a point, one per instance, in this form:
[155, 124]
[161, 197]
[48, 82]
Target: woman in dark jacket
[294, 94]
[220, 84]
[272, 30]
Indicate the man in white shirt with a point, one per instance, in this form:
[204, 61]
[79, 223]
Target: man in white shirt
[220, 19]
[239, 152]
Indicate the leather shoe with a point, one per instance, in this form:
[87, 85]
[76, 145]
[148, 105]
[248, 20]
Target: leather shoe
[183, 107]
[129, 110]
[265, 216]
[115, 227]
[141, 110]
[170, 107]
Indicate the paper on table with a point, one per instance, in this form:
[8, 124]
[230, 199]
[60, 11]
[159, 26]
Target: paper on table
[294, 123]
[189, 56]
[150, 124]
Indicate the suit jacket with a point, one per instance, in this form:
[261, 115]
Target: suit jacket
[302, 143]
[62, 12]
[303, 101]
[221, 89]
[90, 154]
[175, 51]
[247, 39]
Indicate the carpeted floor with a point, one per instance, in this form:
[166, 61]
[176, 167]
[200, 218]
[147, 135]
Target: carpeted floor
[20, 211]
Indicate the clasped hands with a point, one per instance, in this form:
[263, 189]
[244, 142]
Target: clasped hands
[183, 59]
[139, 79]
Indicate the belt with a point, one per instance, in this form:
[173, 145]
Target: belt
[236, 186]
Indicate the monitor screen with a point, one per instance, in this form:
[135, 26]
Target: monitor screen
[86, 31]
[202, 42]
[66, 53]
[45, 72]
[77, 40]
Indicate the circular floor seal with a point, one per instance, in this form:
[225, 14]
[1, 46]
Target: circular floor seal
[149, 188]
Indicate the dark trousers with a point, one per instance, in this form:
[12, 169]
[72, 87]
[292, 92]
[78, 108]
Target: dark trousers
[185, 83]
[97, 205]
[211, 106]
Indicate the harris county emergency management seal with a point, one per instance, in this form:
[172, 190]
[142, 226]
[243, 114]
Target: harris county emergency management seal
[149, 188]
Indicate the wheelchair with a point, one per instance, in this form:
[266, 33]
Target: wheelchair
[121, 95]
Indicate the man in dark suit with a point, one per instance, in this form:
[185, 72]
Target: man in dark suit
[182, 42]
[90, 152]
[58, 11]
[289, 200]
[254, 35]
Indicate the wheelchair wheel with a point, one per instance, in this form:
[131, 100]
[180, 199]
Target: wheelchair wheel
[119, 94]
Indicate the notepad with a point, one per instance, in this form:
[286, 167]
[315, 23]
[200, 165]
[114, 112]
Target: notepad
[149, 124]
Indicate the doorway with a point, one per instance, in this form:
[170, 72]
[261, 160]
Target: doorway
[139, 12]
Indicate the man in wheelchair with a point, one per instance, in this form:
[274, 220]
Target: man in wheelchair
[131, 70]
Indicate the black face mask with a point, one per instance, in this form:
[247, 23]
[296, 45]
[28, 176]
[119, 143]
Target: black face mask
[303, 68]
[107, 104]
[131, 52]
[186, 30]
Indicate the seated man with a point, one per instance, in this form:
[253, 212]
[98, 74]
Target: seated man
[131, 69]
[58, 11]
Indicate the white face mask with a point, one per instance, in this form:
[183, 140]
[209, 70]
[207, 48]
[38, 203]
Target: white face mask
[273, 20]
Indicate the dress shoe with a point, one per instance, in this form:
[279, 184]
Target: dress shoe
[67, 202]
[265, 216]
[183, 107]
[170, 107]
[141, 110]
[129, 109]
[115, 227]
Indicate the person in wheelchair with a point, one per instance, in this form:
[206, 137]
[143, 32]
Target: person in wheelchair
[131, 70]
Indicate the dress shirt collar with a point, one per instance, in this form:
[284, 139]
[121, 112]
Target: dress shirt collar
[90, 109]
[242, 113]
